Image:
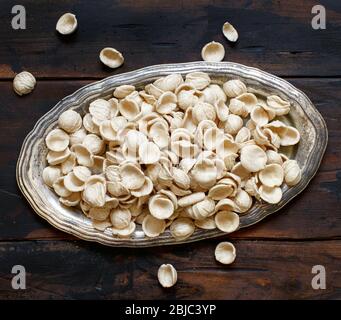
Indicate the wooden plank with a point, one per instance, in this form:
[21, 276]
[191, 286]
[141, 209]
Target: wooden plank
[275, 36]
[262, 270]
[313, 214]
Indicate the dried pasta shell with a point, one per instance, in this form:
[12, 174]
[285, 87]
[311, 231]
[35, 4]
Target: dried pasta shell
[270, 194]
[170, 82]
[273, 157]
[167, 275]
[72, 200]
[124, 232]
[220, 191]
[70, 121]
[227, 221]
[120, 218]
[149, 153]
[89, 125]
[230, 161]
[178, 191]
[67, 23]
[124, 90]
[187, 96]
[277, 105]
[54, 158]
[203, 209]
[259, 116]
[24, 83]
[153, 90]
[291, 137]
[153, 227]
[59, 188]
[82, 173]
[166, 103]
[213, 52]
[182, 228]
[221, 109]
[225, 252]
[204, 173]
[181, 178]
[243, 135]
[100, 110]
[94, 191]
[117, 189]
[99, 214]
[148, 98]
[160, 207]
[292, 172]
[234, 88]
[226, 147]
[145, 190]
[253, 158]
[132, 177]
[57, 140]
[101, 225]
[94, 144]
[158, 132]
[78, 136]
[213, 93]
[233, 124]
[129, 109]
[107, 132]
[68, 164]
[251, 187]
[72, 183]
[191, 199]
[206, 224]
[230, 32]
[199, 80]
[203, 111]
[188, 121]
[240, 171]
[83, 155]
[51, 175]
[272, 175]
[134, 139]
[111, 57]
[225, 205]
[243, 201]
[212, 138]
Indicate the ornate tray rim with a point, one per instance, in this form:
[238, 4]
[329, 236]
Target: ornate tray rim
[235, 69]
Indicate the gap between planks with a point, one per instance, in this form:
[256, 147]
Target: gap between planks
[6, 79]
[237, 239]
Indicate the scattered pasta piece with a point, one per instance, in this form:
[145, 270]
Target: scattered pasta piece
[230, 32]
[111, 57]
[213, 52]
[23, 83]
[167, 275]
[67, 23]
[225, 252]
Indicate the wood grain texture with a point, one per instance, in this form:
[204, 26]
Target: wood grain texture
[71, 270]
[274, 257]
[313, 214]
[274, 35]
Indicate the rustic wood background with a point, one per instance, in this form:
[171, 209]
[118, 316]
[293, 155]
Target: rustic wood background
[275, 257]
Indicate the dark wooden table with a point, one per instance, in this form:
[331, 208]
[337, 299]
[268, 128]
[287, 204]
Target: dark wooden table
[275, 257]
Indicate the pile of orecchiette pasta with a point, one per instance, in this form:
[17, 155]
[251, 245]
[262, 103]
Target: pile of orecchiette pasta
[179, 153]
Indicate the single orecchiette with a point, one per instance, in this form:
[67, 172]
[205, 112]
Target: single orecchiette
[23, 83]
[67, 23]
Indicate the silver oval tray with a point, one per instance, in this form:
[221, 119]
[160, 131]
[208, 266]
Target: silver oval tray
[31, 162]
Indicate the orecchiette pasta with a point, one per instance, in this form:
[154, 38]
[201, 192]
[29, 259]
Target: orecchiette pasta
[180, 153]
